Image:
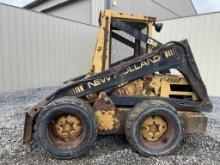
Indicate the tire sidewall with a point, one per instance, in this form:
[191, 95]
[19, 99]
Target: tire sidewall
[50, 114]
[168, 115]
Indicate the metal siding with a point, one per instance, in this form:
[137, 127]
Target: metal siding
[38, 50]
[143, 7]
[202, 33]
[79, 11]
[180, 7]
[96, 7]
[47, 5]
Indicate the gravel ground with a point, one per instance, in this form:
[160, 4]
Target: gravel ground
[195, 149]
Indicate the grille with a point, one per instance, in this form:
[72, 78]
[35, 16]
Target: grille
[119, 50]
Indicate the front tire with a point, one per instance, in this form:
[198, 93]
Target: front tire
[66, 128]
[154, 128]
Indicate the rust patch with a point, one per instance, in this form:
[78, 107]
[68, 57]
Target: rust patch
[164, 140]
[139, 87]
[110, 119]
[134, 88]
[117, 120]
[194, 122]
[99, 48]
[107, 120]
[103, 102]
[30, 116]
[153, 128]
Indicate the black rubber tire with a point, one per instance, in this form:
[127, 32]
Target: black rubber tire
[70, 105]
[136, 118]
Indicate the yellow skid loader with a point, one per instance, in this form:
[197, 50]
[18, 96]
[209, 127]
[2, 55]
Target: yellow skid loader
[149, 91]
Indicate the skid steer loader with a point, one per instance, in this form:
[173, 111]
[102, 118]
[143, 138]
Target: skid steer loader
[149, 91]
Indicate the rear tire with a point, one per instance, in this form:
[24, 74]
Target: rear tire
[163, 134]
[66, 128]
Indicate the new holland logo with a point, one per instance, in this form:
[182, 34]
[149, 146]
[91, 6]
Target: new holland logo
[132, 68]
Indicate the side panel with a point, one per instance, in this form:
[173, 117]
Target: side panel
[112, 121]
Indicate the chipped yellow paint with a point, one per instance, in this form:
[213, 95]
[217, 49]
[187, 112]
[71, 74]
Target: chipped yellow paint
[150, 33]
[132, 89]
[128, 16]
[107, 120]
[156, 85]
[99, 50]
[68, 127]
[177, 80]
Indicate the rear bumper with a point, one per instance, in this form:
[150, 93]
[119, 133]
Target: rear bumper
[194, 122]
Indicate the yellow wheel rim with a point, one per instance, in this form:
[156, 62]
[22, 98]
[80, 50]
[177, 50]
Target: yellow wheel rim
[153, 128]
[68, 127]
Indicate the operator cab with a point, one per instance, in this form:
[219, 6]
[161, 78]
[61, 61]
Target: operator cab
[123, 37]
[124, 46]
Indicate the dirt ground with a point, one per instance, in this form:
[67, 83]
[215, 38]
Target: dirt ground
[194, 149]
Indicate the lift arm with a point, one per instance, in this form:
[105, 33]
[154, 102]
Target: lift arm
[170, 56]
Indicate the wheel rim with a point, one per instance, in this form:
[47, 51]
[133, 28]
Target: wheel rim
[68, 127]
[66, 131]
[156, 131]
[153, 128]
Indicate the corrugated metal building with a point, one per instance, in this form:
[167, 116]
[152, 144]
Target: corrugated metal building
[38, 50]
[162, 9]
[88, 10]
